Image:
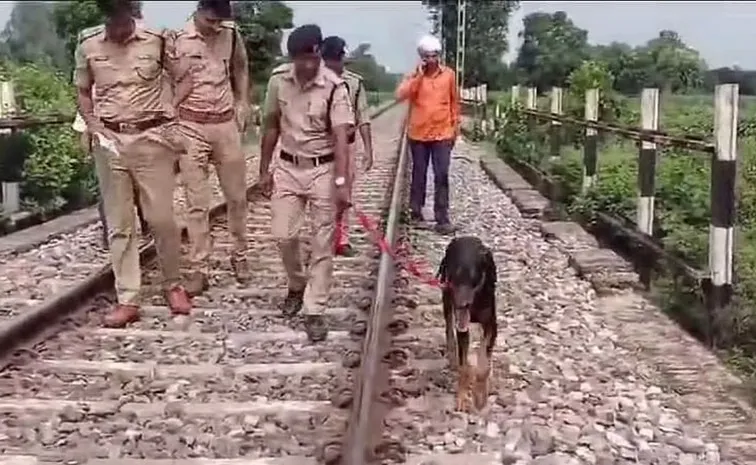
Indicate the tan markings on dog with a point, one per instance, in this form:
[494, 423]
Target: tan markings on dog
[465, 388]
[481, 377]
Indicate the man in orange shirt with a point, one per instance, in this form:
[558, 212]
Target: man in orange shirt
[433, 128]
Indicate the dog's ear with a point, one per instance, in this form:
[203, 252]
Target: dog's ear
[489, 265]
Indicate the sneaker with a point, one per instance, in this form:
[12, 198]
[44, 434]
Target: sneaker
[121, 316]
[292, 304]
[316, 328]
[445, 229]
[179, 301]
[416, 217]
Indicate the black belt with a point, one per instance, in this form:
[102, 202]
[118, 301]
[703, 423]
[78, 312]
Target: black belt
[136, 126]
[206, 118]
[312, 161]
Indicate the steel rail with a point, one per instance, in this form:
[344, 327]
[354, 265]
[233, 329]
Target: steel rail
[32, 324]
[371, 381]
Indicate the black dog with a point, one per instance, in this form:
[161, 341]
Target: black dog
[468, 272]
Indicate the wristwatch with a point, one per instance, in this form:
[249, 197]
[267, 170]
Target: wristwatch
[340, 181]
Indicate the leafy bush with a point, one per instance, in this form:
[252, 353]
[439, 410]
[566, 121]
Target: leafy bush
[54, 166]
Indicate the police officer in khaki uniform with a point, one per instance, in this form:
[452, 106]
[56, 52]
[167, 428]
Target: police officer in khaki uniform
[101, 167]
[208, 64]
[334, 53]
[307, 106]
[131, 130]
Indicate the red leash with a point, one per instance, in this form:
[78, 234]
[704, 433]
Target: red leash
[412, 266]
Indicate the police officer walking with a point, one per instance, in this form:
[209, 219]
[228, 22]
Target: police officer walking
[307, 106]
[334, 53]
[208, 64]
[101, 165]
[132, 132]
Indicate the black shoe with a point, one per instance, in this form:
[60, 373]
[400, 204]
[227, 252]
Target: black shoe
[416, 217]
[292, 304]
[315, 327]
[446, 229]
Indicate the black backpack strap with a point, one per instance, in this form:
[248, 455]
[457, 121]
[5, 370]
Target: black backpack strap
[233, 50]
[329, 102]
[231, 58]
[162, 50]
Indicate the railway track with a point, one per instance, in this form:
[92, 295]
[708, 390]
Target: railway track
[236, 379]
[37, 269]
[237, 384]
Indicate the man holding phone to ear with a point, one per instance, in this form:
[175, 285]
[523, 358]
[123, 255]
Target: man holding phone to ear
[433, 128]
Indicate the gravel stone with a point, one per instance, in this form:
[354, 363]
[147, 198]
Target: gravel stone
[562, 389]
[204, 358]
[58, 264]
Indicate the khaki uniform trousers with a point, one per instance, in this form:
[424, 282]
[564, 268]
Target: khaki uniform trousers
[219, 144]
[343, 223]
[294, 187]
[146, 162]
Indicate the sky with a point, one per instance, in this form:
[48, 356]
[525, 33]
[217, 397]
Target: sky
[723, 32]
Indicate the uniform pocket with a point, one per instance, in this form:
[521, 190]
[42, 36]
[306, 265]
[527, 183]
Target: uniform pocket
[317, 113]
[148, 67]
[195, 61]
[103, 70]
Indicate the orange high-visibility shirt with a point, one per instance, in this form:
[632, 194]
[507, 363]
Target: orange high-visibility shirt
[434, 105]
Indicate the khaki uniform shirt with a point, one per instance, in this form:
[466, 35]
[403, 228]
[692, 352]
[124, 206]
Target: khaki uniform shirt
[127, 76]
[360, 103]
[208, 62]
[79, 125]
[302, 110]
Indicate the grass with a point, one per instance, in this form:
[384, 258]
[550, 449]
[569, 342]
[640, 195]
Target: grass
[682, 210]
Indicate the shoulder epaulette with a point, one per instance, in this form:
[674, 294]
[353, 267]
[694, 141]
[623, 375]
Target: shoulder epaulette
[153, 32]
[331, 76]
[86, 33]
[280, 69]
[352, 74]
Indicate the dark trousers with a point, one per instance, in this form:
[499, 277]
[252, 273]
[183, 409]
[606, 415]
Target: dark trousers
[438, 152]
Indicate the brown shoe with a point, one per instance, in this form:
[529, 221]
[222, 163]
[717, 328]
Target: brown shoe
[179, 301]
[121, 316]
[241, 269]
[197, 283]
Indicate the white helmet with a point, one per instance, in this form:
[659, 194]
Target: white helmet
[429, 44]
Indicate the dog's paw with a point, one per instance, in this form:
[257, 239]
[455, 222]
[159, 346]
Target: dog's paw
[463, 403]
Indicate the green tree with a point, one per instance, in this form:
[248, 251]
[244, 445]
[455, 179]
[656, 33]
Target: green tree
[375, 76]
[552, 48]
[486, 29]
[29, 35]
[72, 17]
[676, 66]
[631, 68]
[261, 25]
